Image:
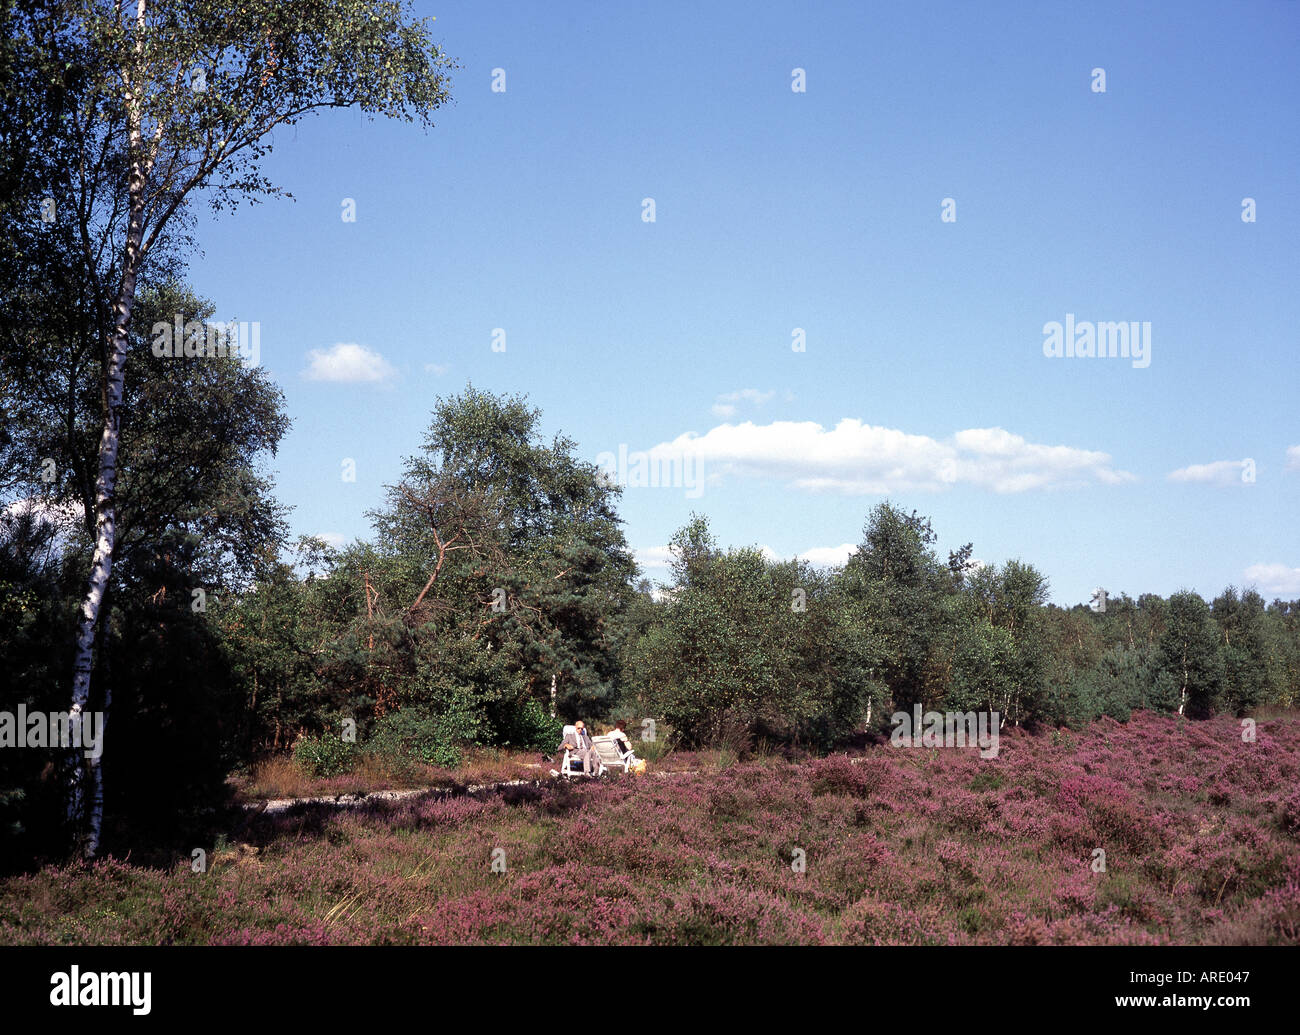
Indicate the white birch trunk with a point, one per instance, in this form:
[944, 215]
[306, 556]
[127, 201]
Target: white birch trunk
[101, 565]
[1182, 703]
[95, 765]
[88, 822]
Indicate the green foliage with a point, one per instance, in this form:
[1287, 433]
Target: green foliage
[1252, 646]
[175, 728]
[746, 648]
[1189, 653]
[415, 735]
[499, 564]
[724, 658]
[328, 755]
[988, 779]
[982, 662]
[898, 582]
[190, 510]
[529, 726]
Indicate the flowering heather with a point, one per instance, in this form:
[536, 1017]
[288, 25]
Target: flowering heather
[899, 846]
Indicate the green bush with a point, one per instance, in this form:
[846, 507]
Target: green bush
[325, 756]
[415, 736]
[529, 726]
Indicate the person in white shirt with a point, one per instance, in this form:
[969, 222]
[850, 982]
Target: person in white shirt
[619, 733]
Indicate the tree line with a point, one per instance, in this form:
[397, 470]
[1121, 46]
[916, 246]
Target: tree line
[497, 597]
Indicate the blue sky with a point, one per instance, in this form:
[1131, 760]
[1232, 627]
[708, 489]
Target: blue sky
[923, 377]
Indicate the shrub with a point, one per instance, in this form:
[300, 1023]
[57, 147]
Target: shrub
[528, 726]
[987, 780]
[1290, 813]
[413, 735]
[838, 775]
[325, 756]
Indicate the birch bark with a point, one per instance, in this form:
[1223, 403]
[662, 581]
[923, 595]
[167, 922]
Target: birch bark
[101, 565]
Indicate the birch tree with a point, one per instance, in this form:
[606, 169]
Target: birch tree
[1189, 650]
[194, 91]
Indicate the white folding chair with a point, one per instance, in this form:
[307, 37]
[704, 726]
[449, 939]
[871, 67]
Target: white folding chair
[611, 757]
[572, 763]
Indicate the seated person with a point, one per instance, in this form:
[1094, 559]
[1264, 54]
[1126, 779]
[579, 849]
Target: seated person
[579, 743]
[619, 733]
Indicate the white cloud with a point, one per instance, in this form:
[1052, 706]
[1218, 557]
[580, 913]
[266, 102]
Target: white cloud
[348, 363]
[1220, 472]
[1274, 578]
[830, 556]
[335, 540]
[822, 556]
[436, 368]
[858, 458]
[725, 406]
[653, 556]
[1293, 458]
[656, 560]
